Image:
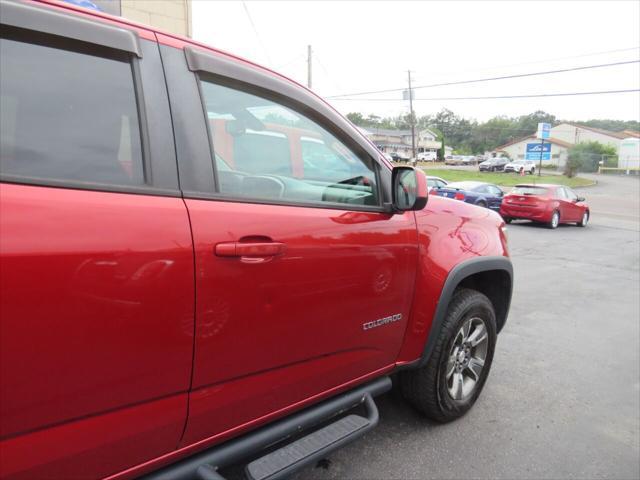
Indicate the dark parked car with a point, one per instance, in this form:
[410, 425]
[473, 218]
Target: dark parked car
[478, 193]
[493, 165]
[396, 157]
[436, 182]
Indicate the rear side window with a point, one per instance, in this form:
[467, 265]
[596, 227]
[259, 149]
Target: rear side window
[68, 114]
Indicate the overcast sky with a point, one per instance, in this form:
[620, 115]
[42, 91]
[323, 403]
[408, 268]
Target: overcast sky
[362, 46]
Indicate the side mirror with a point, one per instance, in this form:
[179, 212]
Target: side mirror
[409, 189]
[579, 199]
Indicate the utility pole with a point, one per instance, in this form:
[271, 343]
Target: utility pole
[309, 66]
[541, 153]
[413, 123]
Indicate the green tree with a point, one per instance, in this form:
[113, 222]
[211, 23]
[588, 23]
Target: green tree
[356, 118]
[493, 133]
[528, 124]
[587, 156]
[441, 151]
[612, 125]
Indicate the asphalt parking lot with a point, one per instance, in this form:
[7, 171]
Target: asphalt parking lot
[563, 396]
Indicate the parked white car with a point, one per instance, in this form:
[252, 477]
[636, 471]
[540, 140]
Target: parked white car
[427, 156]
[521, 165]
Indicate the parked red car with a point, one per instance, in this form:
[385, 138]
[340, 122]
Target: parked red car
[550, 204]
[202, 262]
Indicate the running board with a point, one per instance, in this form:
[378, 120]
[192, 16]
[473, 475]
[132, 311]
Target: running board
[313, 447]
[295, 455]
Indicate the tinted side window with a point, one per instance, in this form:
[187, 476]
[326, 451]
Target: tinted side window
[560, 193]
[495, 191]
[67, 114]
[267, 151]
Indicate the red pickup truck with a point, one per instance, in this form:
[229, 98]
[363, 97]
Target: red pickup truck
[202, 264]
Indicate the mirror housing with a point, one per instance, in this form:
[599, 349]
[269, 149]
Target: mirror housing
[579, 199]
[409, 190]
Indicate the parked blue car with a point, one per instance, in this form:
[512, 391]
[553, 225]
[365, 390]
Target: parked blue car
[482, 194]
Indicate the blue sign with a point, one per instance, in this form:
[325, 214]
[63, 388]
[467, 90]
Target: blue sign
[534, 149]
[544, 130]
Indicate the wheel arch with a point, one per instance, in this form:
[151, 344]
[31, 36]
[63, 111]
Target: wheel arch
[492, 276]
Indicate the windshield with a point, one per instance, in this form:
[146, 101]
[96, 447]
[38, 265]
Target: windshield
[526, 190]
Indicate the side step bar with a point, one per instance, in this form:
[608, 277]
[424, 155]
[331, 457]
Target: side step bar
[286, 460]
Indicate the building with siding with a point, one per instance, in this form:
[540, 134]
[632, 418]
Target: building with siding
[399, 141]
[573, 134]
[173, 16]
[517, 150]
[563, 137]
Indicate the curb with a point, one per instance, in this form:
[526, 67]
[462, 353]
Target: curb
[592, 184]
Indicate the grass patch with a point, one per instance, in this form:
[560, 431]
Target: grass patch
[505, 179]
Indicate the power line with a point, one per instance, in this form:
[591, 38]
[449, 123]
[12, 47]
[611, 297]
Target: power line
[316, 57]
[255, 30]
[520, 75]
[496, 67]
[564, 94]
[297, 58]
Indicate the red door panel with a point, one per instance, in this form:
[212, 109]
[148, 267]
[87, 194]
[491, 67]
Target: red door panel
[295, 318]
[97, 314]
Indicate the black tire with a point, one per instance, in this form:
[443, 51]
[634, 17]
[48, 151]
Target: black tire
[507, 219]
[553, 223]
[585, 219]
[426, 388]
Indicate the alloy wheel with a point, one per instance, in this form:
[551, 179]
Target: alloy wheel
[466, 358]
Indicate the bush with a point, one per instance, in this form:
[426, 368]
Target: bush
[586, 157]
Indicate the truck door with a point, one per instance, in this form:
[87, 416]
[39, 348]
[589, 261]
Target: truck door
[96, 259]
[303, 283]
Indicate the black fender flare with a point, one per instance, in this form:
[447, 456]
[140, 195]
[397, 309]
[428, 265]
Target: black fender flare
[454, 278]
